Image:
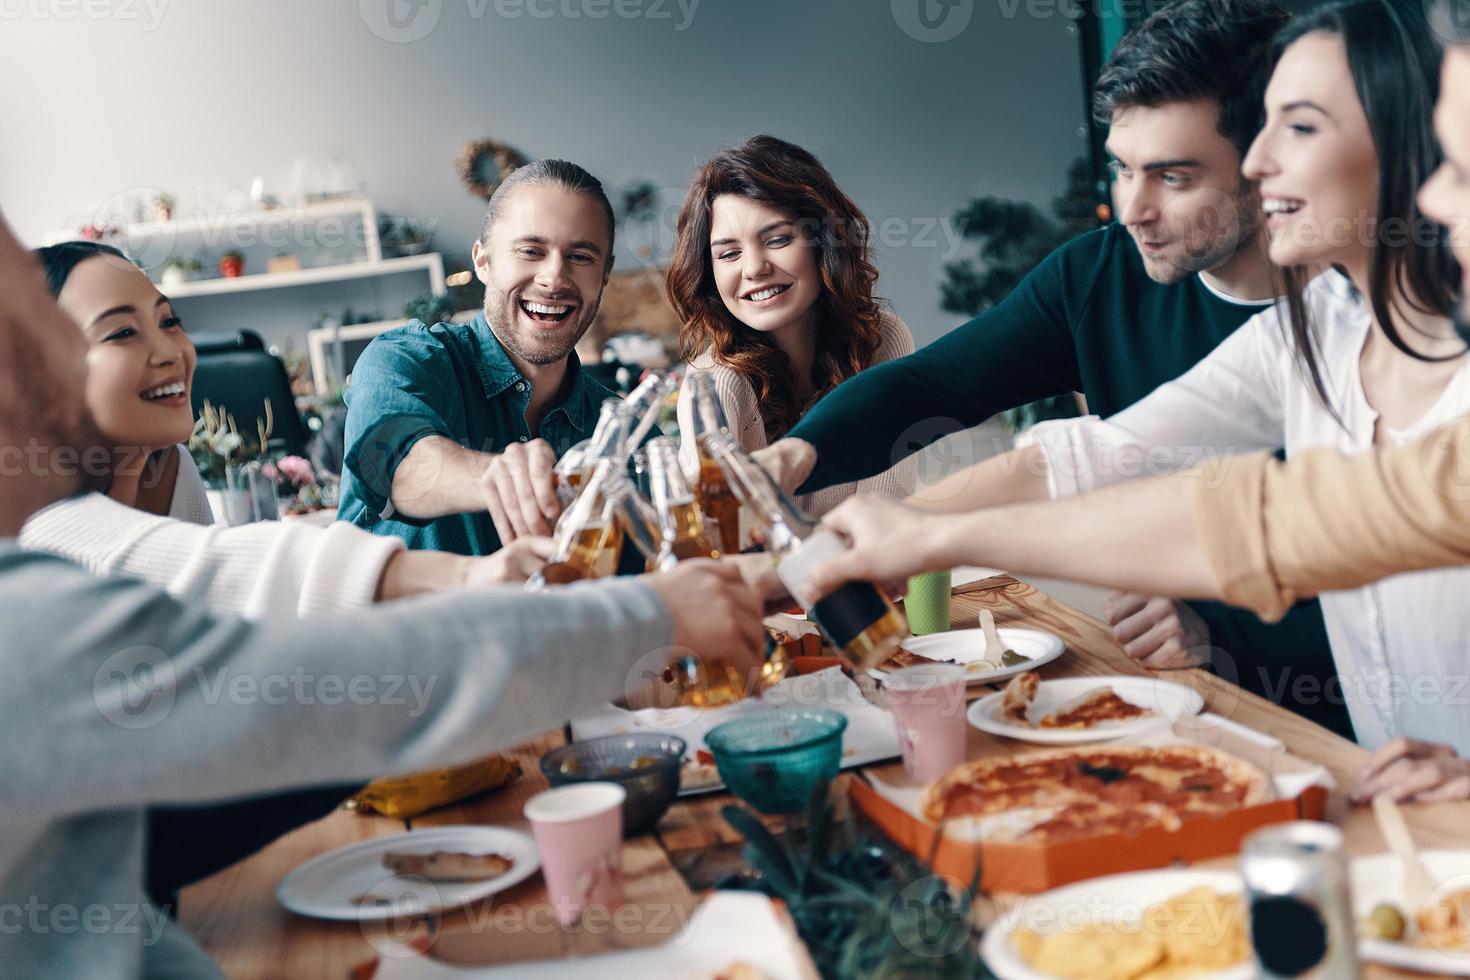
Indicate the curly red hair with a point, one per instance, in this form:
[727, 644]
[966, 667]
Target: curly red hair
[787, 178]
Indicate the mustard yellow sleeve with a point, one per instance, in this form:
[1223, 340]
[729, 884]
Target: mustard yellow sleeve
[1275, 532]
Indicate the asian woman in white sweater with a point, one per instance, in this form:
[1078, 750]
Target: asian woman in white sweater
[155, 524]
[772, 277]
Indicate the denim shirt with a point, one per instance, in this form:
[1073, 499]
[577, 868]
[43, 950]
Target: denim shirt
[456, 381]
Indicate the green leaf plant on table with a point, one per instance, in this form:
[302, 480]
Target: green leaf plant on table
[869, 912]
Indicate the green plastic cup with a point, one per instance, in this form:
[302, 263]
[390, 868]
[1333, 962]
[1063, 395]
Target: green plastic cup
[927, 603]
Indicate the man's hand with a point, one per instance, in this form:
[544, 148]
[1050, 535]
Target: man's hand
[520, 492]
[1408, 770]
[512, 564]
[715, 613]
[789, 461]
[1161, 634]
[758, 569]
[889, 542]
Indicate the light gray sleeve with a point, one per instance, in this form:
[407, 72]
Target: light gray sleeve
[115, 695]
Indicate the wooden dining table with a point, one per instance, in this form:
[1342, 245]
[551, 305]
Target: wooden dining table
[236, 917]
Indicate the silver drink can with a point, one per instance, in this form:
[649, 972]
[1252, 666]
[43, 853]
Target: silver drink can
[1296, 890]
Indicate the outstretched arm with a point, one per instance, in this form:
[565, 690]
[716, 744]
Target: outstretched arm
[1139, 537]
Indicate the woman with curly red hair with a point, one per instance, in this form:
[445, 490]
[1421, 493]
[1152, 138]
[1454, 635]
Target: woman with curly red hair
[772, 278]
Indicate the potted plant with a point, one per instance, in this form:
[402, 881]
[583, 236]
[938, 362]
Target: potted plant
[179, 270]
[235, 482]
[232, 265]
[428, 308]
[404, 236]
[163, 207]
[297, 485]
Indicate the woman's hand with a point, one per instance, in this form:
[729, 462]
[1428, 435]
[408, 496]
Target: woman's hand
[889, 542]
[1410, 771]
[512, 564]
[789, 461]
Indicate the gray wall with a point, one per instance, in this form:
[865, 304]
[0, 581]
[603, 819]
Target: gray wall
[199, 96]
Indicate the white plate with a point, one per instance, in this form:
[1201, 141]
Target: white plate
[967, 648]
[325, 886]
[1115, 898]
[1168, 701]
[1379, 878]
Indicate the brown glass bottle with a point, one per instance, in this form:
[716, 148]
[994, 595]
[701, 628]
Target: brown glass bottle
[718, 502]
[856, 618]
[588, 536]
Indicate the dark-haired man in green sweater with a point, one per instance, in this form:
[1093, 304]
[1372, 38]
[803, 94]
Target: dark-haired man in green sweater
[1113, 314]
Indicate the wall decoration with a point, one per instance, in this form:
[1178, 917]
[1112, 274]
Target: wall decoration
[483, 164]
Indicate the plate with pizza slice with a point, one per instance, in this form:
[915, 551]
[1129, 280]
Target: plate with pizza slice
[1073, 710]
[415, 873]
[967, 648]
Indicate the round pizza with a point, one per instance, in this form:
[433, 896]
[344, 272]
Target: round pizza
[1089, 791]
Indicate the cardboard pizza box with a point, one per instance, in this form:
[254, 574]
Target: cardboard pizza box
[1026, 868]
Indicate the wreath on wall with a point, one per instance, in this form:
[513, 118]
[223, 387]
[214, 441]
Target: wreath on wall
[483, 164]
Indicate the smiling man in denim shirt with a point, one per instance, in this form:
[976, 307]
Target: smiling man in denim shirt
[453, 429]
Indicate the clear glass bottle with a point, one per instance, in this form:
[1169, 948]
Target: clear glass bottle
[856, 618]
[588, 536]
[718, 502]
[693, 681]
[679, 515]
[645, 403]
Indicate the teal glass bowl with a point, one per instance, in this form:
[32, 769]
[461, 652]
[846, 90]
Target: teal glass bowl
[773, 760]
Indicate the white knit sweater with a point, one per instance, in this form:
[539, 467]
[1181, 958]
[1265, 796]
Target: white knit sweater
[268, 569]
[742, 411]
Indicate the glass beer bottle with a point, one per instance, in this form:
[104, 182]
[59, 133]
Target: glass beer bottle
[694, 682]
[720, 506]
[587, 536]
[644, 404]
[679, 514]
[614, 422]
[857, 618]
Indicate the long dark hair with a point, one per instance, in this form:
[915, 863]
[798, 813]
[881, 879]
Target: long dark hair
[58, 261]
[1394, 62]
[791, 180]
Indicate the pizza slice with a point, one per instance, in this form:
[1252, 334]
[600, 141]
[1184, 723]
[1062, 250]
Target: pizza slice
[1096, 707]
[448, 865]
[902, 658]
[1019, 693]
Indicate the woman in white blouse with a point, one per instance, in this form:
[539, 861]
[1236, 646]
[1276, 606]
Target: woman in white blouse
[155, 523]
[772, 278]
[1363, 355]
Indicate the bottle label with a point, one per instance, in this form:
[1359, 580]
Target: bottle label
[795, 566]
[846, 612]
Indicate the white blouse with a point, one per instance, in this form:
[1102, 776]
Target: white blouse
[1401, 645]
[262, 570]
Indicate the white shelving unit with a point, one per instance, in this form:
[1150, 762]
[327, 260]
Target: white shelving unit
[431, 263]
[278, 230]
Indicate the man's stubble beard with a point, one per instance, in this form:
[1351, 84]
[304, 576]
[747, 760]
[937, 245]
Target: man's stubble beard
[499, 305]
[1248, 224]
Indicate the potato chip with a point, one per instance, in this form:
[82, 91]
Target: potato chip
[1198, 932]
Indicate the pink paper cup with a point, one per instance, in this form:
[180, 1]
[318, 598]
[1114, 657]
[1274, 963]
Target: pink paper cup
[579, 834]
[928, 705]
